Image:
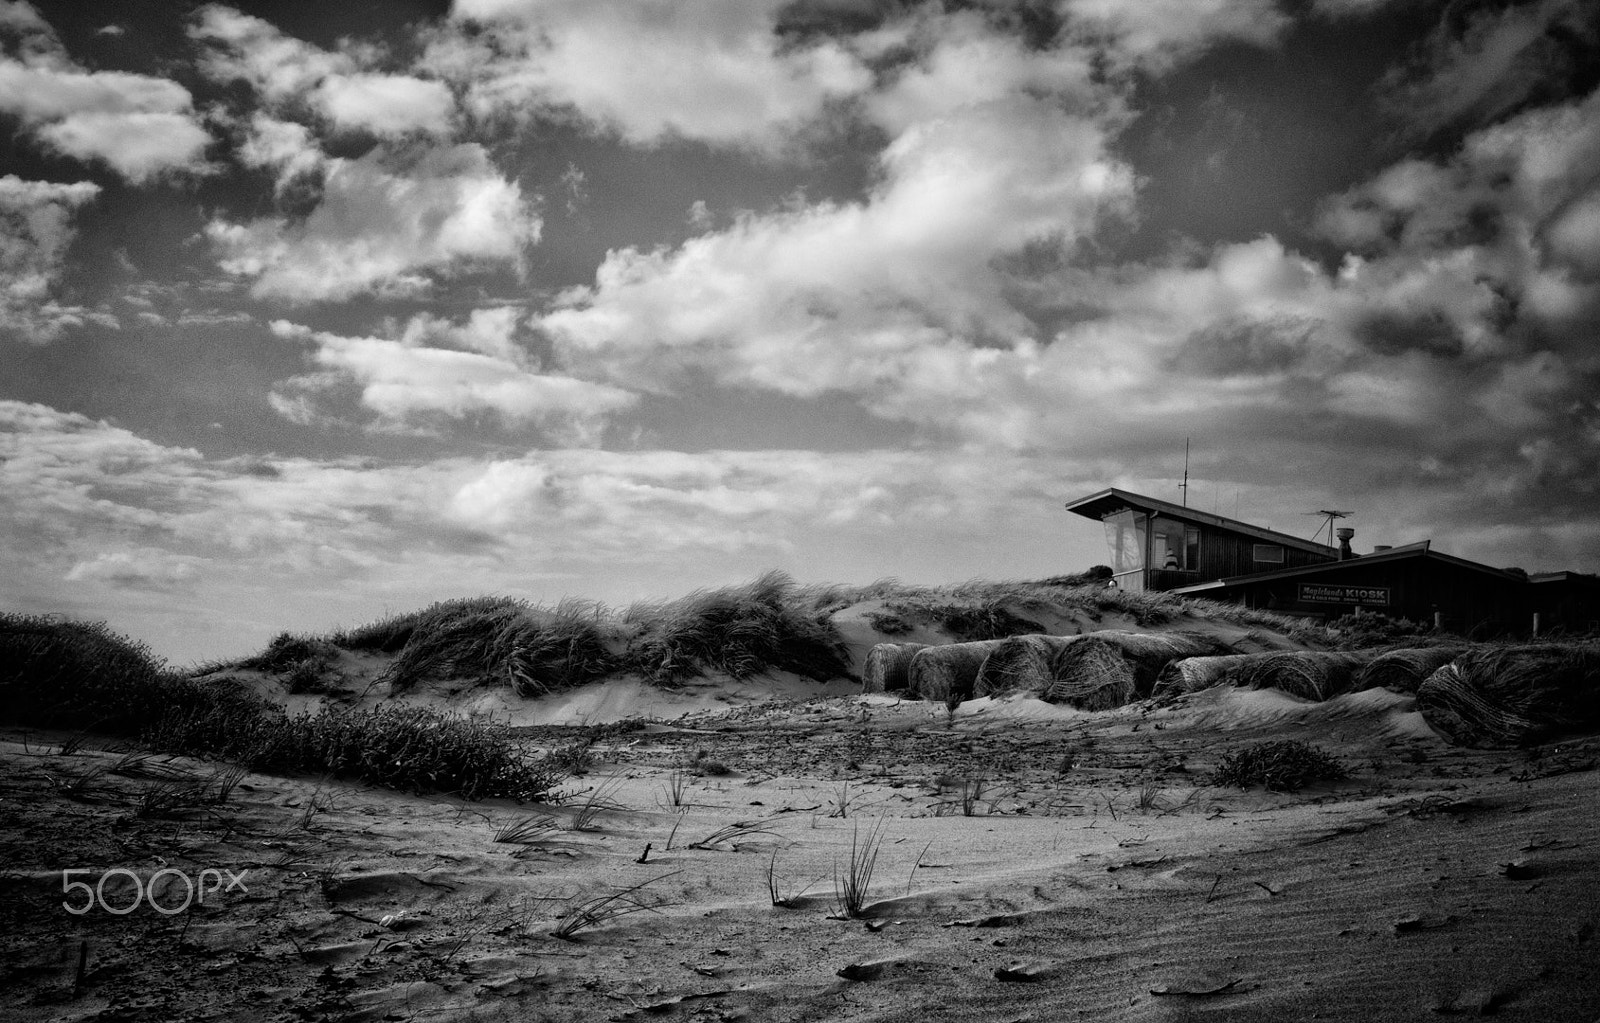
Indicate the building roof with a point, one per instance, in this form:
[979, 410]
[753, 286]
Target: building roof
[1098, 506]
[1421, 549]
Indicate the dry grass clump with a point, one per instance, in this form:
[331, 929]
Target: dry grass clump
[947, 673]
[740, 631]
[1499, 696]
[1404, 670]
[1104, 670]
[887, 668]
[1313, 675]
[496, 641]
[1192, 674]
[1284, 765]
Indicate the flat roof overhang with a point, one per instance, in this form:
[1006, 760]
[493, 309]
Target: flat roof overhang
[1110, 500]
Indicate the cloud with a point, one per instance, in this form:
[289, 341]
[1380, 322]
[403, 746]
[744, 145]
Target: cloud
[696, 69]
[291, 74]
[1154, 35]
[244, 48]
[140, 569]
[862, 297]
[282, 146]
[140, 126]
[386, 224]
[437, 371]
[1479, 67]
[386, 104]
[35, 232]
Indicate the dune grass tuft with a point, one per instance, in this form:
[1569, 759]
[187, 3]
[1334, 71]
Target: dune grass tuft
[740, 631]
[1284, 765]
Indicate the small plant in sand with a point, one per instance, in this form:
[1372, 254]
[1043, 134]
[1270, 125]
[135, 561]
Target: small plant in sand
[732, 833]
[597, 909]
[218, 788]
[850, 885]
[165, 798]
[1284, 765]
[1149, 798]
[595, 801]
[971, 794]
[781, 896]
[676, 788]
[841, 800]
[525, 829]
[76, 786]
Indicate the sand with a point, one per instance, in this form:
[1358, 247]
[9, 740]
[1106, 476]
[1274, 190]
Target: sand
[1036, 863]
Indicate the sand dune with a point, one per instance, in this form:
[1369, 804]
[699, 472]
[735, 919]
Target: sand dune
[1098, 876]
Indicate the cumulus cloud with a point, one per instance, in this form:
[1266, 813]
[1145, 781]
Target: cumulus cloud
[140, 126]
[35, 231]
[437, 371]
[858, 297]
[291, 74]
[697, 69]
[384, 224]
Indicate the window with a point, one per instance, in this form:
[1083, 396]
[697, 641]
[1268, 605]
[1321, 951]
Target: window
[1176, 546]
[1125, 532]
[1269, 553]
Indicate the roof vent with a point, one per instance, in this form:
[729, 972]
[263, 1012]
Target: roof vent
[1380, 548]
[1345, 533]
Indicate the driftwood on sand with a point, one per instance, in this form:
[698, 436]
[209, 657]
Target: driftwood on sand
[887, 669]
[1024, 664]
[948, 672]
[1104, 670]
[1404, 671]
[1192, 674]
[1511, 696]
[1313, 675]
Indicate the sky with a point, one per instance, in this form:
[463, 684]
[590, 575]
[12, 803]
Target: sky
[312, 313]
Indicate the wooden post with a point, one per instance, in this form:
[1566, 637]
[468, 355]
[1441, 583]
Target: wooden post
[1536, 625]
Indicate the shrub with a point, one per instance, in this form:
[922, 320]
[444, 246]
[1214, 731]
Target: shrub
[57, 673]
[1283, 765]
[1359, 632]
[408, 748]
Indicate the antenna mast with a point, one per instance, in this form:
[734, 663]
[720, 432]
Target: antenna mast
[1331, 514]
[1184, 486]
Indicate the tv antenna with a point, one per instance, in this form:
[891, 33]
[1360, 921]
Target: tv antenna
[1184, 486]
[1331, 514]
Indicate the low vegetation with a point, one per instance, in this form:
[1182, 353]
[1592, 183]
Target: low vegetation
[769, 624]
[64, 674]
[1284, 765]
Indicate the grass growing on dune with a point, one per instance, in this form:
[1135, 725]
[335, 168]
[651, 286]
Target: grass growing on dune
[769, 624]
[740, 630]
[64, 674]
[496, 640]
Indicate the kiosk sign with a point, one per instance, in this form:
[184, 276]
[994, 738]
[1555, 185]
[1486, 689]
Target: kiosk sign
[1335, 593]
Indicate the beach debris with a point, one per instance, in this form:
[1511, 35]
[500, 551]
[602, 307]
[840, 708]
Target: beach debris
[1024, 973]
[1200, 985]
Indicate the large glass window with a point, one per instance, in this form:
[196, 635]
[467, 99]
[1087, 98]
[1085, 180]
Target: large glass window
[1125, 538]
